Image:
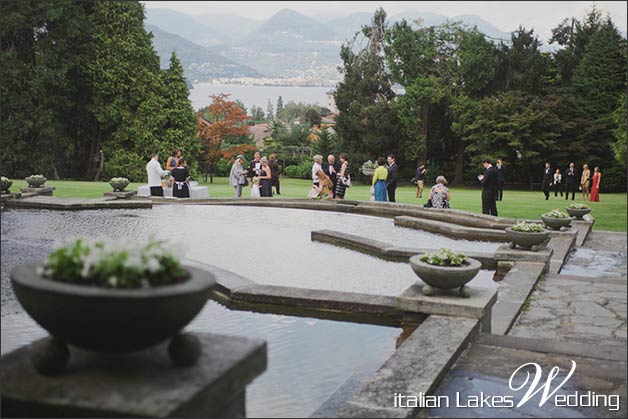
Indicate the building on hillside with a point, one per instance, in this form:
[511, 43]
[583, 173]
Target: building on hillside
[260, 132]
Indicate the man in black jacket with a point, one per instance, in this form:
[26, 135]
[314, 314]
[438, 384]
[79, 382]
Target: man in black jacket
[255, 166]
[547, 180]
[391, 180]
[331, 169]
[489, 188]
[500, 179]
[571, 182]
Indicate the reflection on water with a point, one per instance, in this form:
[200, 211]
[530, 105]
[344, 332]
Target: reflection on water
[267, 245]
[308, 359]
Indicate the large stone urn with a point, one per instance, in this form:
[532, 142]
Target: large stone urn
[556, 223]
[109, 319]
[35, 182]
[119, 185]
[445, 277]
[526, 239]
[5, 185]
[578, 213]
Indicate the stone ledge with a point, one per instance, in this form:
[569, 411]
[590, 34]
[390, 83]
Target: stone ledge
[140, 384]
[418, 365]
[505, 253]
[44, 190]
[76, 204]
[452, 230]
[120, 195]
[386, 251]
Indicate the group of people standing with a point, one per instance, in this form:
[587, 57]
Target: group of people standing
[263, 173]
[587, 184]
[330, 179]
[176, 175]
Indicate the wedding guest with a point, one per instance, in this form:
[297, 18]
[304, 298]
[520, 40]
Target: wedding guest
[181, 187]
[595, 185]
[500, 179]
[379, 180]
[173, 160]
[489, 188]
[393, 174]
[155, 173]
[342, 176]
[419, 177]
[274, 171]
[558, 183]
[331, 168]
[324, 185]
[255, 187]
[265, 177]
[439, 194]
[255, 165]
[571, 182]
[318, 161]
[547, 180]
[585, 180]
[237, 176]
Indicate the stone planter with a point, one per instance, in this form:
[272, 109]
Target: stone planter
[113, 320]
[556, 223]
[527, 240]
[445, 277]
[119, 186]
[5, 186]
[36, 182]
[578, 213]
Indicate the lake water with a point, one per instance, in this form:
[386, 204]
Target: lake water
[258, 95]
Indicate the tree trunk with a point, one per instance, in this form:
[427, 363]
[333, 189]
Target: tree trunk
[459, 174]
[425, 117]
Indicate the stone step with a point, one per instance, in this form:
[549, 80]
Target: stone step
[451, 230]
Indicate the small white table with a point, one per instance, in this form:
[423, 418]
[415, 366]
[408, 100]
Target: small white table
[196, 192]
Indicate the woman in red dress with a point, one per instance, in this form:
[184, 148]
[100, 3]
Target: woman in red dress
[595, 185]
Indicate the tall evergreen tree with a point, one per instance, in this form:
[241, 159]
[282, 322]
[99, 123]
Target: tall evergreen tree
[269, 111]
[180, 118]
[279, 107]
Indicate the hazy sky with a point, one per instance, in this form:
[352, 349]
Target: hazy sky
[505, 15]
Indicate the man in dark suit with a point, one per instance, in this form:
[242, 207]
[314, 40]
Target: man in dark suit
[571, 183]
[500, 179]
[547, 180]
[391, 180]
[331, 169]
[255, 166]
[489, 188]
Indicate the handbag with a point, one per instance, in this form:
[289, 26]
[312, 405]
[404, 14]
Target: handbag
[313, 193]
[246, 182]
[372, 190]
[346, 181]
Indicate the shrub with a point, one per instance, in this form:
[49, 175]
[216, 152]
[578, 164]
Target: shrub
[128, 164]
[302, 171]
[444, 257]
[524, 227]
[114, 264]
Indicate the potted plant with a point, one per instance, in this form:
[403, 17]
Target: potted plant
[112, 297]
[368, 168]
[556, 219]
[526, 235]
[578, 210]
[445, 270]
[5, 184]
[119, 183]
[36, 181]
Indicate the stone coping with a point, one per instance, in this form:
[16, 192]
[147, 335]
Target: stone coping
[237, 292]
[44, 190]
[76, 204]
[387, 251]
[418, 365]
[452, 230]
[140, 384]
[120, 195]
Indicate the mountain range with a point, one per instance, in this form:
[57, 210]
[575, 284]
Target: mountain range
[288, 44]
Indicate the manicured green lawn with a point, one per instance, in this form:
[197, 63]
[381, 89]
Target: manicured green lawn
[609, 213]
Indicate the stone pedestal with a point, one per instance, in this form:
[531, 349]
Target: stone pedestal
[120, 195]
[45, 190]
[141, 384]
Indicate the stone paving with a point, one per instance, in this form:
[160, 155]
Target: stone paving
[586, 303]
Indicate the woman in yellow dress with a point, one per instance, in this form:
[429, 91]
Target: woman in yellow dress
[379, 180]
[585, 182]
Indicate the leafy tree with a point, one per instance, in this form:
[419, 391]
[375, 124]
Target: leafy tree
[325, 143]
[218, 123]
[312, 117]
[367, 124]
[619, 117]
